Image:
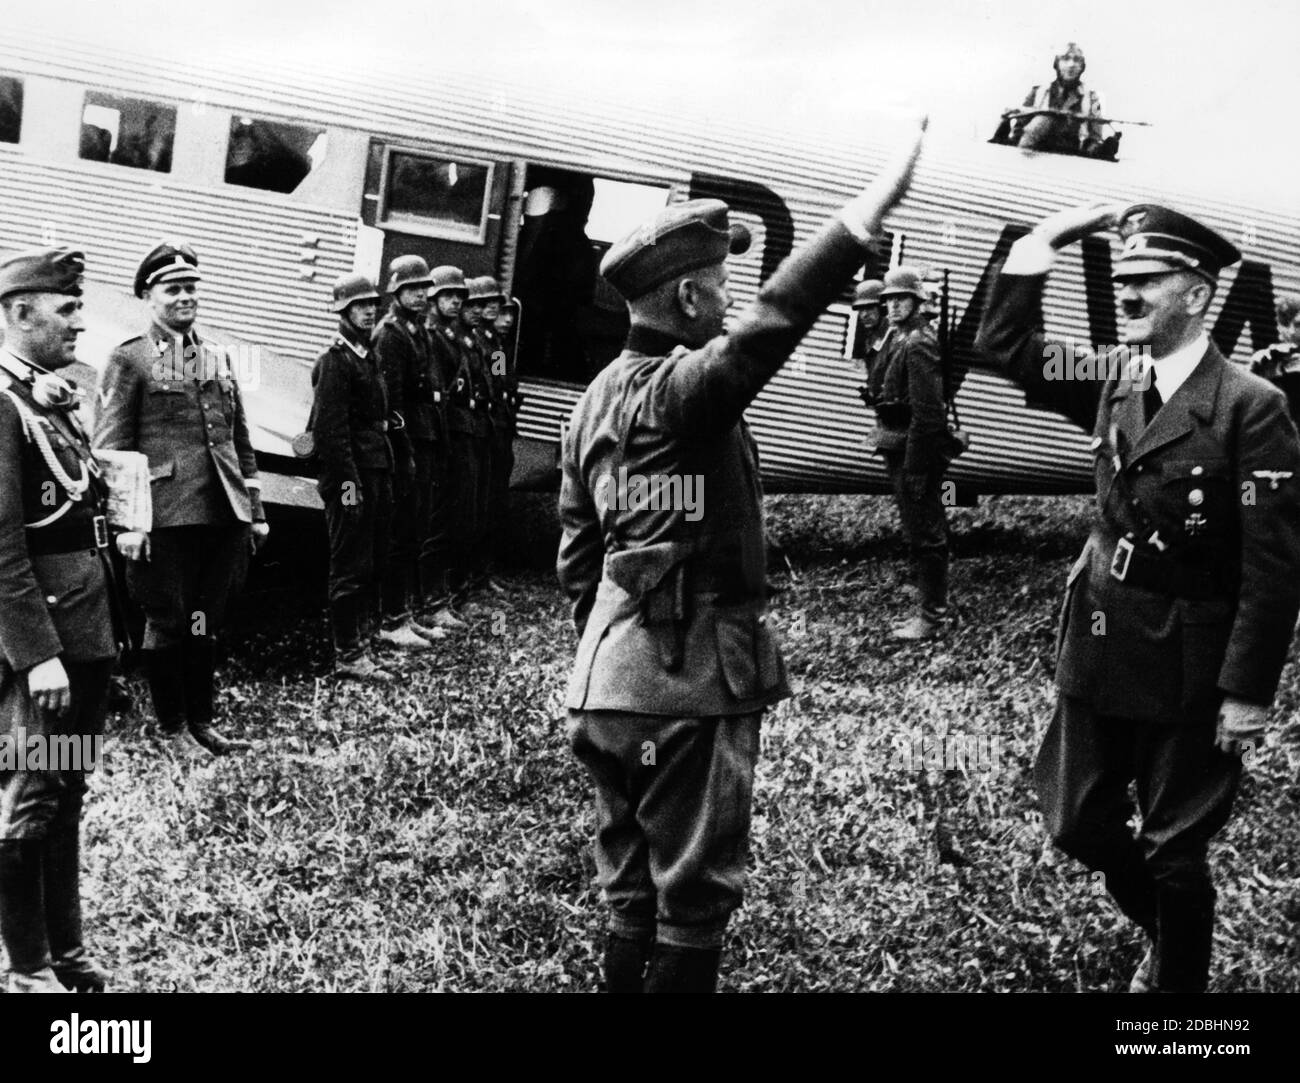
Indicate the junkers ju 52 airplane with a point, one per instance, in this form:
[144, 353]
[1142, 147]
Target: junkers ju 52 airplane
[283, 179]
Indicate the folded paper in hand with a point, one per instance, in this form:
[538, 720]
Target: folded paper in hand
[130, 500]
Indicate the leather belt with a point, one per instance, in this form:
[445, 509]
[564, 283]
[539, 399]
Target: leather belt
[78, 538]
[1135, 568]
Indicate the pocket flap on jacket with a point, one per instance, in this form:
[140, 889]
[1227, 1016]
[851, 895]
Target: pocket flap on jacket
[162, 470]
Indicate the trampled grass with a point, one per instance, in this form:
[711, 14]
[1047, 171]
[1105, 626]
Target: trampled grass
[436, 835]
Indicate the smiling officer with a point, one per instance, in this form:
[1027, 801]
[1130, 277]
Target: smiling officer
[1179, 612]
[173, 396]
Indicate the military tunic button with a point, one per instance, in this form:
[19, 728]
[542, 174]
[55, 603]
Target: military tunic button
[1197, 471]
[1196, 498]
[51, 600]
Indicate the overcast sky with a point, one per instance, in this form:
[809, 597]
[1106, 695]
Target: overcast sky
[1219, 82]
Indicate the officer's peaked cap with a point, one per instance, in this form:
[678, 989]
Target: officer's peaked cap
[171, 261]
[1158, 239]
[42, 270]
[679, 239]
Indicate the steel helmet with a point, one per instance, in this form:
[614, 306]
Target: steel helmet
[1071, 49]
[351, 288]
[407, 271]
[867, 293]
[445, 278]
[904, 282]
[484, 288]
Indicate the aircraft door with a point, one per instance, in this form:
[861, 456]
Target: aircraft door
[443, 204]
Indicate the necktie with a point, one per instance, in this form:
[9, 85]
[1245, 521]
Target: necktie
[1151, 400]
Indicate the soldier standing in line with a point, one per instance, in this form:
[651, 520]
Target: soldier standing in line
[676, 662]
[445, 554]
[57, 638]
[912, 437]
[350, 426]
[472, 429]
[501, 384]
[1180, 610]
[172, 396]
[406, 363]
[874, 329]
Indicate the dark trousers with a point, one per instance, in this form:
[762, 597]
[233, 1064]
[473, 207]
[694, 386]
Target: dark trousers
[1159, 878]
[186, 585]
[439, 544]
[412, 496]
[925, 528]
[672, 818]
[502, 466]
[34, 802]
[359, 540]
[466, 485]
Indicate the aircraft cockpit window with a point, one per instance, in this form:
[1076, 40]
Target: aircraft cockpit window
[132, 132]
[435, 195]
[11, 108]
[272, 156]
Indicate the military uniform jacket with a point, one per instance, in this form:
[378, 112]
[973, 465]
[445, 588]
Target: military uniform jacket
[349, 414]
[1216, 475]
[501, 381]
[51, 603]
[910, 406]
[671, 604]
[411, 379]
[469, 395]
[178, 402]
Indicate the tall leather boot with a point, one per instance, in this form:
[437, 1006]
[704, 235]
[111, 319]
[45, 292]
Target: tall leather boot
[682, 970]
[22, 918]
[200, 690]
[625, 962]
[61, 853]
[165, 669]
[1185, 935]
[932, 581]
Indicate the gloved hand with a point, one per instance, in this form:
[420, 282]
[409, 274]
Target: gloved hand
[1240, 728]
[864, 393]
[133, 545]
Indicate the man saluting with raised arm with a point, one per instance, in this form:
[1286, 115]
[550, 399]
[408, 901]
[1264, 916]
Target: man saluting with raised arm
[676, 662]
[1179, 612]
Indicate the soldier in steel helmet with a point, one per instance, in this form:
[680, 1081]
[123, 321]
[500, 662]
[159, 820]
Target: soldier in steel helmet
[872, 331]
[677, 661]
[486, 297]
[57, 637]
[912, 437]
[406, 362]
[350, 429]
[175, 397]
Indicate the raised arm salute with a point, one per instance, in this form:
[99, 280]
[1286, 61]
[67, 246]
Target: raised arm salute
[1179, 611]
[676, 661]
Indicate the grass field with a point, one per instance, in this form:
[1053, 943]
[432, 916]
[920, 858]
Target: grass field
[436, 835]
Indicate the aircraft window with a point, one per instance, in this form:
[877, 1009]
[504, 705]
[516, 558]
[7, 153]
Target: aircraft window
[11, 108]
[574, 323]
[446, 197]
[272, 156]
[132, 132]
